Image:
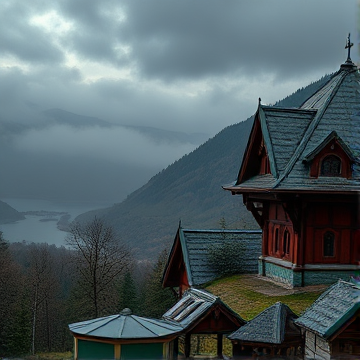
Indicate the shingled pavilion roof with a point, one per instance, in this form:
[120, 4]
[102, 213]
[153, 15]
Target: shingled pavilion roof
[291, 135]
[332, 310]
[271, 326]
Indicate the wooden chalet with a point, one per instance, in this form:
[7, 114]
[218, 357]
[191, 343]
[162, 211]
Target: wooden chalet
[200, 312]
[300, 178]
[331, 325]
[272, 332]
[190, 263]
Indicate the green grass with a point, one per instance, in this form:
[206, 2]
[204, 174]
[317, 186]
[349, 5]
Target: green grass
[51, 356]
[244, 294]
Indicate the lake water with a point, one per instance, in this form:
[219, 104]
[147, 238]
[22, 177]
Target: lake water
[33, 230]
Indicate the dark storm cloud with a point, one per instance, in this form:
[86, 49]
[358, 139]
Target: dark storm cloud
[205, 38]
[97, 29]
[190, 66]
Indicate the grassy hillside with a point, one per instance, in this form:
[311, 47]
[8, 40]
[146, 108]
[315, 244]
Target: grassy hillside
[248, 295]
[189, 190]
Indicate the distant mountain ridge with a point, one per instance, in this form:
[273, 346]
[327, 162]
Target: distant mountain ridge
[189, 190]
[68, 118]
[9, 214]
[63, 117]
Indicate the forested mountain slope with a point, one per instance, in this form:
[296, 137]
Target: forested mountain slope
[189, 190]
[9, 214]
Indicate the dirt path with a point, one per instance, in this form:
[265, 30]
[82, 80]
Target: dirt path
[270, 288]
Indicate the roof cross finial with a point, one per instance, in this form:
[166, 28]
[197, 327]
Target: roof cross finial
[348, 46]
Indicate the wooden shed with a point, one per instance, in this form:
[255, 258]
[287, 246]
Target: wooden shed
[199, 312]
[124, 336]
[190, 260]
[331, 325]
[272, 332]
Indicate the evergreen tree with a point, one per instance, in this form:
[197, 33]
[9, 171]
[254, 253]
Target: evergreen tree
[14, 309]
[157, 300]
[128, 293]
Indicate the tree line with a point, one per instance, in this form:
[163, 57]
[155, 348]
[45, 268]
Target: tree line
[43, 288]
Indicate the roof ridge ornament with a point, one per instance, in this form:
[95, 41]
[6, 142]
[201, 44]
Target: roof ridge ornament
[348, 46]
[125, 312]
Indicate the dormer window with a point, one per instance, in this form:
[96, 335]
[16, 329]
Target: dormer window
[332, 158]
[331, 166]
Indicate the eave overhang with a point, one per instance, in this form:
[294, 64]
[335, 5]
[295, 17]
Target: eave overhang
[236, 190]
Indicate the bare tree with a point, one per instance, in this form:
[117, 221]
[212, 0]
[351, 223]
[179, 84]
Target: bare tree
[100, 260]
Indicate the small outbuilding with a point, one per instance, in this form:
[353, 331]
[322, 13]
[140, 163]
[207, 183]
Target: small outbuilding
[200, 312]
[272, 332]
[331, 325]
[200, 256]
[124, 336]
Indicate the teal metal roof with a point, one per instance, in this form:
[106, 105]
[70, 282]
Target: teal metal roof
[187, 312]
[331, 311]
[193, 306]
[195, 245]
[270, 326]
[125, 326]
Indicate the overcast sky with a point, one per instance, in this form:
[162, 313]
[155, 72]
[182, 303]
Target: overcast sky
[189, 66]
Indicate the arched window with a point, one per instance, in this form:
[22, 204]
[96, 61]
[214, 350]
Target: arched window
[277, 240]
[286, 242]
[329, 244]
[331, 166]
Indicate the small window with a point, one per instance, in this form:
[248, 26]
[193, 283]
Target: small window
[286, 242]
[277, 242]
[331, 166]
[329, 244]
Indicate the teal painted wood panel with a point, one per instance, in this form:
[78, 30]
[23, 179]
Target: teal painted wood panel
[95, 350]
[142, 351]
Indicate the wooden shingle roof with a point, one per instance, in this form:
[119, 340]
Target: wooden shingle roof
[290, 135]
[332, 310]
[271, 326]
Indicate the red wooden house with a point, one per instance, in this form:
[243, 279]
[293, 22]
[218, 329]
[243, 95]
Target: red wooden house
[300, 178]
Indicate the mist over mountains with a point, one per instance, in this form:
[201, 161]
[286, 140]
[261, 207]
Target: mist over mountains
[190, 191]
[48, 162]
[58, 155]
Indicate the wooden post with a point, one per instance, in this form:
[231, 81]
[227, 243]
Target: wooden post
[187, 345]
[117, 351]
[76, 347]
[220, 345]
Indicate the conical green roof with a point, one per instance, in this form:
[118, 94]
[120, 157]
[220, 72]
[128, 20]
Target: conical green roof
[125, 326]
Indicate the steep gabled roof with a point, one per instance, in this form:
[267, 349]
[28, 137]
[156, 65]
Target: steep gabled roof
[286, 128]
[293, 134]
[192, 247]
[125, 326]
[270, 326]
[332, 310]
[196, 305]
